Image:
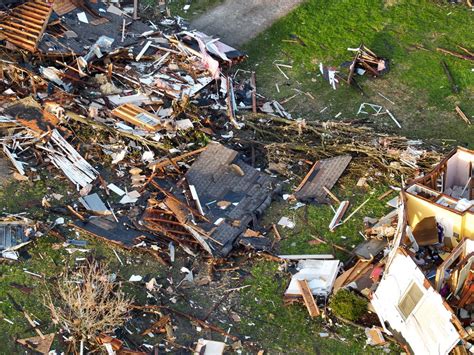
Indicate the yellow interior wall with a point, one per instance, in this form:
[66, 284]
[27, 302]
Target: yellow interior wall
[469, 225]
[418, 209]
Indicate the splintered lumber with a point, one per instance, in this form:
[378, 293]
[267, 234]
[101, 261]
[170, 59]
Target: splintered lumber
[385, 194]
[276, 232]
[103, 127]
[330, 194]
[462, 115]
[308, 298]
[25, 26]
[65, 157]
[137, 116]
[160, 164]
[160, 323]
[205, 325]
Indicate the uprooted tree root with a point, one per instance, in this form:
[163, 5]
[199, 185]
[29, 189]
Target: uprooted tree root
[85, 302]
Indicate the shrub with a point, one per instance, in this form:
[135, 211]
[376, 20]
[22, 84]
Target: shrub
[348, 305]
[85, 302]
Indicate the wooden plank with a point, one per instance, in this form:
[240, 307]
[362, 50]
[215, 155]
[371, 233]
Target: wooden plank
[308, 299]
[385, 194]
[462, 115]
[335, 199]
[30, 27]
[29, 15]
[20, 39]
[21, 45]
[307, 176]
[20, 31]
[33, 6]
[160, 164]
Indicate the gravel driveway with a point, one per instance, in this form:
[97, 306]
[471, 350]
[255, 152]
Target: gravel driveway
[238, 21]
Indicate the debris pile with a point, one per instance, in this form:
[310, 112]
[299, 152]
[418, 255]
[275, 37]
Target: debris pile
[145, 121]
[366, 61]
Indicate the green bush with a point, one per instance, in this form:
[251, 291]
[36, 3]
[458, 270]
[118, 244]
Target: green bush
[348, 305]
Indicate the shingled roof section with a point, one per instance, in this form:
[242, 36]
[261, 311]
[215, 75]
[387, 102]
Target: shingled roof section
[220, 175]
[324, 173]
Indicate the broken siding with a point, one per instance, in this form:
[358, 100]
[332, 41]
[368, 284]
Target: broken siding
[11, 234]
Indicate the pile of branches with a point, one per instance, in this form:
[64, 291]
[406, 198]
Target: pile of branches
[286, 142]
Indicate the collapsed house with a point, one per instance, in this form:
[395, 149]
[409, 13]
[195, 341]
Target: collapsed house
[148, 85]
[440, 205]
[416, 266]
[425, 295]
[213, 204]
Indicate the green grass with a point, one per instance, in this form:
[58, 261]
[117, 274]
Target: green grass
[288, 329]
[407, 33]
[315, 221]
[264, 312]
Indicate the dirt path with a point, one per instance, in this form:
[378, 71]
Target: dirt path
[238, 21]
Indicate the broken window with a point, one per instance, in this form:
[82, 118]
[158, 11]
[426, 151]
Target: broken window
[409, 301]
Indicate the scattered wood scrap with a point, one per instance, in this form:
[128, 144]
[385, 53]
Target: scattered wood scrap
[462, 115]
[38, 343]
[308, 298]
[469, 57]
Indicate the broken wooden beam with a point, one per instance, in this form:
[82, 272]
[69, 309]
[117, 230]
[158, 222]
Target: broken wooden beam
[456, 54]
[308, 299]
[330, 194]
[356, 210]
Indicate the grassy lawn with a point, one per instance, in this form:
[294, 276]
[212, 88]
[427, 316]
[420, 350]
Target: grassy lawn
[264, 310]
[407, 32]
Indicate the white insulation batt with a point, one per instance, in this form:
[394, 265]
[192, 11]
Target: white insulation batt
[320, 274]
[427, 328]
